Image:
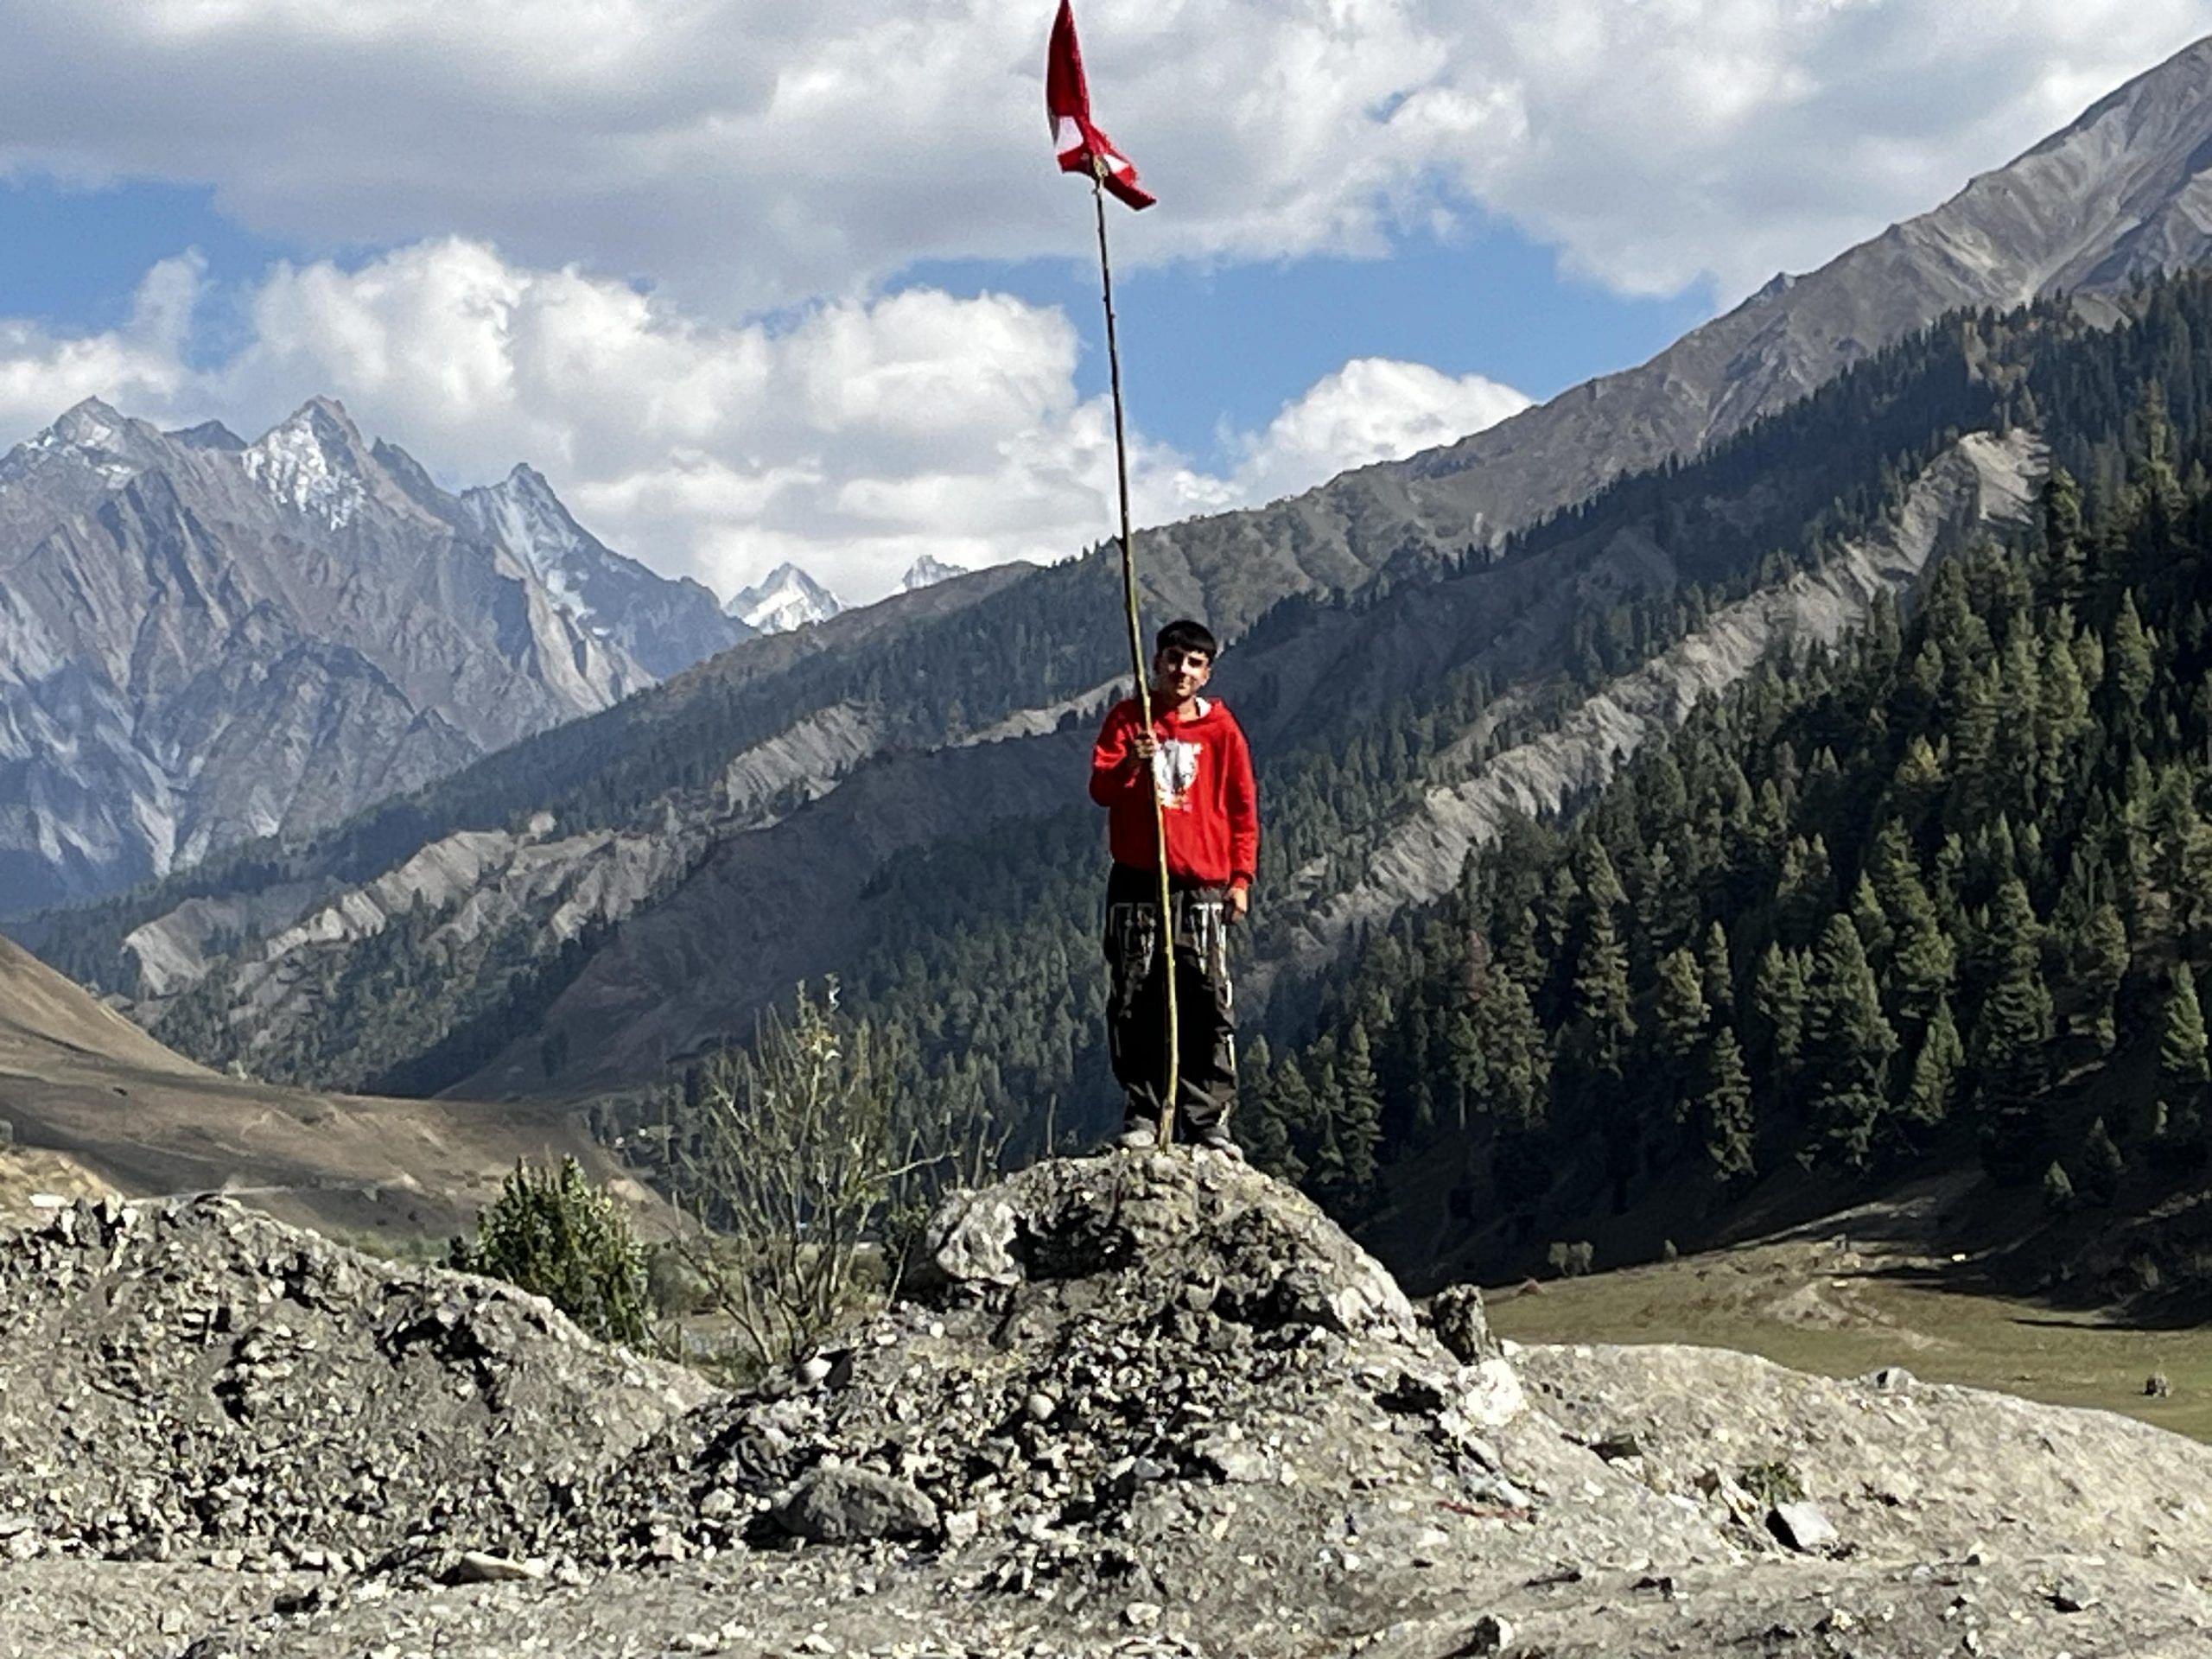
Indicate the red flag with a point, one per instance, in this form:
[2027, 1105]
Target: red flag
[1082, 147]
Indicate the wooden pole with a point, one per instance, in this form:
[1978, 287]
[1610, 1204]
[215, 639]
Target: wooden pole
[1166, 933]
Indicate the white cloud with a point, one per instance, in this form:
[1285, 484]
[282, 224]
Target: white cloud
[853, 439]
[654, 175]
[141, 363]
[745, 153]
[1661, 141]
[1370, 410]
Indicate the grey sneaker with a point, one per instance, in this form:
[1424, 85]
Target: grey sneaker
[1138, 1137]
[1216, 1140]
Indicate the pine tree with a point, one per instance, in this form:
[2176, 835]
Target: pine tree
[2014, 1031]
[2057, 1189]
[1806, 890]
[1259, 1113]
[2011, 1036]
[2130, 666]
[2101, 965]
[1679, 1011]
[2182, 1059]
[1517, 1055]
[1719, 974]
[1325, 1157]
[2102, 1166]
[1359, 1115]
[1875, 934]
[1725, 1105]
[1291, 1094]
[2063, 715]
[1922, 777]
[1466, 1067]
[1849, 1043]
[1778, 1000]
[1923, 960]
[1601, 994]
[2062, 537]
[1600, 882]
[1935, 1069]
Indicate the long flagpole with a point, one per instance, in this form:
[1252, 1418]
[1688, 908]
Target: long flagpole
[1167, 932]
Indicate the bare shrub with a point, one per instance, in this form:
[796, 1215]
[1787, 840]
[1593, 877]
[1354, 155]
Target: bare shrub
[806, 1164]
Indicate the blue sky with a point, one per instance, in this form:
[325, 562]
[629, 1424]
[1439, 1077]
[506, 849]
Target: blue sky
[1208, 345]
[1229, 344]
[752, 282]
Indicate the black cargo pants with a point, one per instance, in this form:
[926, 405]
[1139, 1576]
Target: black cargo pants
[1137, 1011]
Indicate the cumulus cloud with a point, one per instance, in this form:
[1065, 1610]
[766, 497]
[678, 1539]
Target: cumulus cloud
[143, 362]
[1372, 409]
[853, 439]
[746, 154]
[588, 208]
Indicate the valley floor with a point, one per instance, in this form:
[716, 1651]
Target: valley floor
[1826, 1301]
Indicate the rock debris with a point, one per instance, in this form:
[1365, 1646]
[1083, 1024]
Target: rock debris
[1143, 1404]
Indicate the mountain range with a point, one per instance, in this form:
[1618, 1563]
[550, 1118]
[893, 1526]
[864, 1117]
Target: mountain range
[787, 598]
[204, 640]
[1419, 648]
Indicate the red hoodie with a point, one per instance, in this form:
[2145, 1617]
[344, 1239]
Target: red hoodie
[1212, 807]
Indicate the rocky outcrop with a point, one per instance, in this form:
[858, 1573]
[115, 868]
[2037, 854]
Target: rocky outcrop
[1148, 1403]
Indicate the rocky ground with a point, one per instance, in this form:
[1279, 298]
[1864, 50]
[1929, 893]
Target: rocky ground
[1141, 1404]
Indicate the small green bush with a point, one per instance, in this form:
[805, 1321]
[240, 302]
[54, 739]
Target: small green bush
[1776, 1481]
[555, 1234]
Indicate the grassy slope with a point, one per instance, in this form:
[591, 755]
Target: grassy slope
[1866, 1290]
[92, 1098]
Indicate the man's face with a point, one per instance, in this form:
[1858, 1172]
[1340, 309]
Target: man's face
[1181, 671]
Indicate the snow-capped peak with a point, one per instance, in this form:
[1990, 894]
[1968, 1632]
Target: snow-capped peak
[91, 434]
[90, 425]
[311, 462]
[788, 598]
[927, 571]
[522, 514]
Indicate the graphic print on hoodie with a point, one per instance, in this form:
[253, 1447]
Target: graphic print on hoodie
[1175, 767]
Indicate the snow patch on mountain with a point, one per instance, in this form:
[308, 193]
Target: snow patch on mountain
[523, 515]
[926, 572]
[788, 599]
[92, 436]
[307, 464]
[91, 426]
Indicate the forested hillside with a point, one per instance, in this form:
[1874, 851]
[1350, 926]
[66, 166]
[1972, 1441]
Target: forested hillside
[1944, 894]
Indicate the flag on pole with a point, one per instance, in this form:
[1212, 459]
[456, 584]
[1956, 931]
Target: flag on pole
[1082, 147]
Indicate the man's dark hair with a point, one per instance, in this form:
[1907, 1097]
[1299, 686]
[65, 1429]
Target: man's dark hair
[1186, 635]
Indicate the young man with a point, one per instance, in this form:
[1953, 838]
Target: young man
[1196, 757]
